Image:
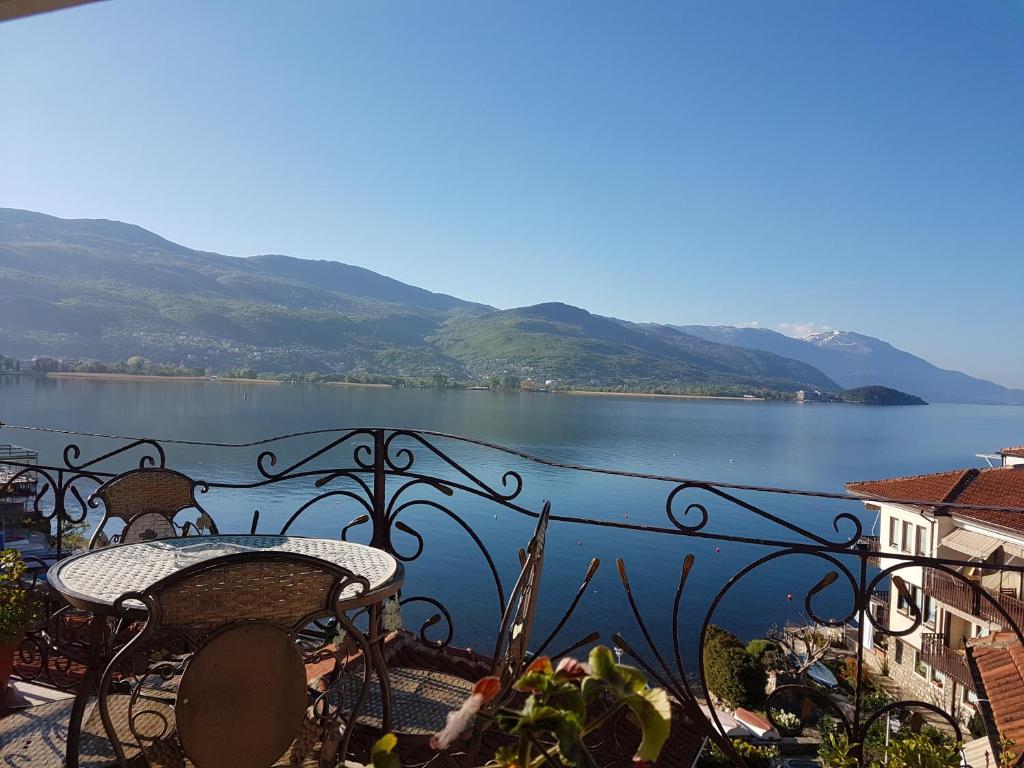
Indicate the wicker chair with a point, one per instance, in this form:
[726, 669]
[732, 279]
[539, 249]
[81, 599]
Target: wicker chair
[147, 501]
[421, 698]
[216, 677]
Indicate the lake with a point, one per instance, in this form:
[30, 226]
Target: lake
[803, 446]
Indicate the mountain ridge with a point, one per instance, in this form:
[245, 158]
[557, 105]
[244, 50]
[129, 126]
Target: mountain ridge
[856, 360]
[104, 289]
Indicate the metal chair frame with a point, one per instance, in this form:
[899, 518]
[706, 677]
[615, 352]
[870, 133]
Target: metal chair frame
[187, 630]
[133, 495]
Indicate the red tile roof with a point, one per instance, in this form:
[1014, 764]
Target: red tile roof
[993, 487]
[1017, 451]
[934, 488]
[999, 661]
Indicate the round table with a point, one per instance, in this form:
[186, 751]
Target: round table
[94, 580]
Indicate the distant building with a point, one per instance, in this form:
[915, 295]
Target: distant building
[930, 663]
[804, 395]
[1012, 456]
[17, 487]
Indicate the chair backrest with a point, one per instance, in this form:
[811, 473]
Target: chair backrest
[517, 619]
[225, 630]
[147, 501]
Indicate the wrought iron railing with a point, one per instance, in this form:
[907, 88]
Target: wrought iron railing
[971, 597]
[697, 545]
[952, 662]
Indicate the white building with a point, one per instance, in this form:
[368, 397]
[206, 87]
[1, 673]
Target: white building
[930, 662]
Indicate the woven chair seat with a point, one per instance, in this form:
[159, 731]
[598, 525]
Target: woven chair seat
[37, 736]
[420, 699]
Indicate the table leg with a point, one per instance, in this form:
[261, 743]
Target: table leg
[378, 663]
[94, 661]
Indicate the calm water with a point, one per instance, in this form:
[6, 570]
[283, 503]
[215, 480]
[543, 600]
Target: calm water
[816, 447]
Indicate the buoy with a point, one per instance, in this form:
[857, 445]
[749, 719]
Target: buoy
[789, 596]
[718, 549]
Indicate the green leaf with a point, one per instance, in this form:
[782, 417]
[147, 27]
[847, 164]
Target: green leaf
[380, 753]
[652, 708]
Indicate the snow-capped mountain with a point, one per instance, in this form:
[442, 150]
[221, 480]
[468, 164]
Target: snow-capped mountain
[856, 360]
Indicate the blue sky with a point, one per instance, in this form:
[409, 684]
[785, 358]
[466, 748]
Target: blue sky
[856, 165]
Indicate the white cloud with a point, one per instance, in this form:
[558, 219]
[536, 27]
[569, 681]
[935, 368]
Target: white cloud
[799, 330]
[751, 324]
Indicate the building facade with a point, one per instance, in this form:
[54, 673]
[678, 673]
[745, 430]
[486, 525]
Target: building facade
[956, 604]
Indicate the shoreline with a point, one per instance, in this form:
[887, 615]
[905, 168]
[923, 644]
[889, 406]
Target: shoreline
[366, 385]
[595, 393]
[353, 384]
[151, 377]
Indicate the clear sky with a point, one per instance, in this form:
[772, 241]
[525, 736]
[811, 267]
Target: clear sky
[857, 165]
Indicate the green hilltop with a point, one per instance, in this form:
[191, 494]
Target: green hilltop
[107, 291]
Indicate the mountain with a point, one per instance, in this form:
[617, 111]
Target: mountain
[558, 341]
[856, 360]
[106, 290]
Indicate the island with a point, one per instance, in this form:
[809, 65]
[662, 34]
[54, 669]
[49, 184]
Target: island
[876, 395]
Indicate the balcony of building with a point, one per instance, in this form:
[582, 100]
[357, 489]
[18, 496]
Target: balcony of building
[978, 596]
[458, 519]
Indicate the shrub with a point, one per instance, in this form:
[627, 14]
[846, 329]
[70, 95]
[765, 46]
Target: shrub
[718, 638]
[755, 756]
[976, 725]
[875, 700]
[18, 607]
[769, 653]
[922, 750]
[735, 676]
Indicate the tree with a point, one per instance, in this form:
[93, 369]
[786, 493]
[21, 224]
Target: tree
[805, 645]
[731, 672]
[137, 364]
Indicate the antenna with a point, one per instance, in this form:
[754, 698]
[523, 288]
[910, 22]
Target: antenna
[989, 457]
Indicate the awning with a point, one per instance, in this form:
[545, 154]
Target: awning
[970, 543]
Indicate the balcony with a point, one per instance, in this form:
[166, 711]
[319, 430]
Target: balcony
[936, 652]
[972, 598]
[454, 511]
[871, 545]
[17, 482]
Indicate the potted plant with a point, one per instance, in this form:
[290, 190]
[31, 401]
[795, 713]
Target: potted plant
[553, 723]
[18, 609]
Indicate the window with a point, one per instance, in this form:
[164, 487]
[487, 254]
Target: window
[938, 678]
[894, 533]
[919, 666]
[922, 540]
[905, 544]
[930, 611]
[899, 651]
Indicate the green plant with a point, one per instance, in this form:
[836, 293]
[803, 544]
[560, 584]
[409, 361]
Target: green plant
[769, 653]
[836, 751]
[735, 676]
[558, 713]
[755, 756]
[1007, 753]
[786, 720]
[875, 700]
[976, 725]
[922, 750]
[18, 608]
